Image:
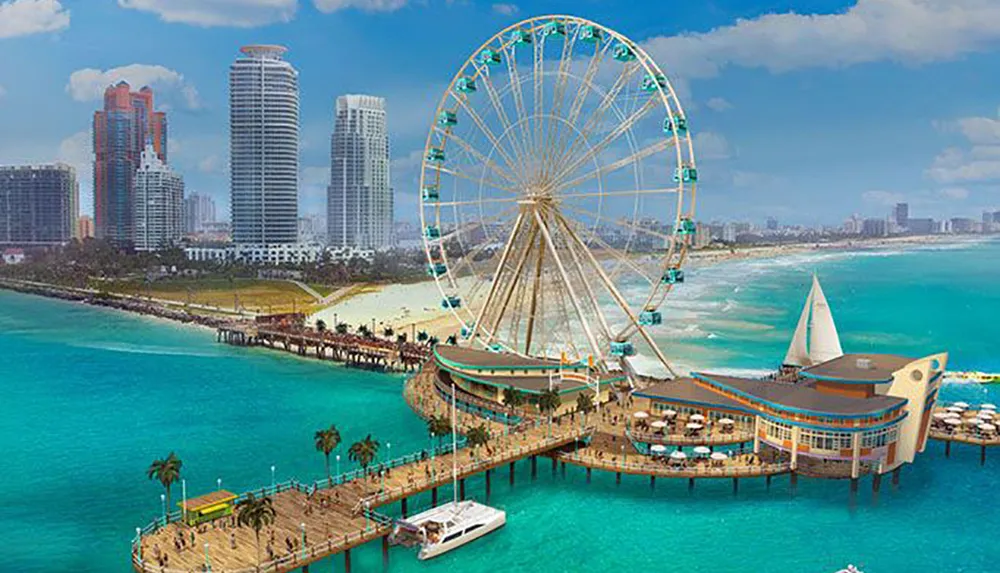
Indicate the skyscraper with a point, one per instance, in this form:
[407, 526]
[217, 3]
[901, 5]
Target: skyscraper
[199, 212]
[901, 214]
[159, 194]
[38, 204]
[264, 146]
[359, 199]
[121, 131]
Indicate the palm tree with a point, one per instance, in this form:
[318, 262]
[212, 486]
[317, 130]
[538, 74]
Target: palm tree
[256, 513]
[422, 336]
[167, 471]
[341, 328]
[326, 441]
[548, 402]
[584, 403]
[512, 398]
[401, 338]
[320, 325]
[453, 340]
[388, 332]
[433, 341]
[439, 427]
[477, 436]
[364, 452]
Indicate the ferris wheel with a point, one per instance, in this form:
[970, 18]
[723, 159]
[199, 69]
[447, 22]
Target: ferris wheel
[557, 193]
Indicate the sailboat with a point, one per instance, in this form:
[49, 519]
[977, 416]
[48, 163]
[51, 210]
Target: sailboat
[453, 524]
[815, 339]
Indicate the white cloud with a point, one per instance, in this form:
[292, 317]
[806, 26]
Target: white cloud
[718, 104]
[235, 13]
[909, 31]
[363, 5]
[711, 145]
[26, 17]
[885, 198]
[980, 162]
[506, 9]
[89, 84]
[958, 193]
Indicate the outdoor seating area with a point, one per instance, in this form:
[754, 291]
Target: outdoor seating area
[959, 419]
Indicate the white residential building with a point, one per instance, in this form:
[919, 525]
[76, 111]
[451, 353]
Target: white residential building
[264, 146]
[359, 199]
[159, 199]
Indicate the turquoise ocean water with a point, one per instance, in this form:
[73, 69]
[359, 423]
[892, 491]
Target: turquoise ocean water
[89, 397]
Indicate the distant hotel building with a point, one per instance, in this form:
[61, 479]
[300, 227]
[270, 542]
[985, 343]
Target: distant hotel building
[159, 196]
[85, 227]
[121, 132]
[264, 146]
[359, 199]
[38, 204]
[199, 213]
[901, 215]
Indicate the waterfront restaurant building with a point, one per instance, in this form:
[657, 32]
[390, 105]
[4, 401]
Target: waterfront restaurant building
[857, 408]
[485, 375]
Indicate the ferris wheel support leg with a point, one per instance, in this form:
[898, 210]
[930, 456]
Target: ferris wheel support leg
[503, 263]
[586, 286]
[569, 287]
[618, 298]
[534, 300]
[509, 290]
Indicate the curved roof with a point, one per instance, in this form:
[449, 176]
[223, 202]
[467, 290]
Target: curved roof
[858, 368]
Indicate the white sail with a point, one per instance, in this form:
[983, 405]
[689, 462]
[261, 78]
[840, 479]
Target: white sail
[798, 352]
[824, 343]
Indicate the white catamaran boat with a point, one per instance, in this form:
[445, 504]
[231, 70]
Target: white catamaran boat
[446, 527]
[816, 339]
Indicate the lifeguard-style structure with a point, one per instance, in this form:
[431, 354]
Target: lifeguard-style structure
[871, 409]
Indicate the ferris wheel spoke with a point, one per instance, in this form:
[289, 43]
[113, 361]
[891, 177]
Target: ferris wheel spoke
[517, 94]
[513, 281]
[617, 296]
[562, 75]
[585, 280]
[512, 163]
[496, 278]
[494, 97]
[664, 191]
[610, 138]
[583, 91]
[620, 222]
[482, 180]
[472, 202]
[643, 153]
[469, 226]
[469, 149]
[622, 258]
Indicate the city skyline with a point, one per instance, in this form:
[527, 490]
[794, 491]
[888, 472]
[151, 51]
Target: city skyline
[757, 146]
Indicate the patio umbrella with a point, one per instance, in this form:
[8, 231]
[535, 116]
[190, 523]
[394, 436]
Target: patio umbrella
[955, 409]
[719, 456]
[726, 422]
[987, 427]
[953, 422]
[985, 414]
[702, 450]
[678, 455]
[694, 426]
[973, 421]
[658, 424]
[697, 417]
[658, 448]
[640, 414]
[953, 415]
[988, 407]
[962, 405]
[940, 415]
[670, 413]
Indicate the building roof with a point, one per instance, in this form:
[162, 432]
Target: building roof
[802, 397]
[687, 390]
[484, 359]
[484, 362]
[858, 368]
[208, 500]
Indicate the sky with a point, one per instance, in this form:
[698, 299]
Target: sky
[805, 110]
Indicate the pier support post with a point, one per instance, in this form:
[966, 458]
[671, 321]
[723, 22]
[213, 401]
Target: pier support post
[562, 468]
[511, 473]
[347, 561]
[554, 464]
[652, 482]
[385, 551]
[534, 466]
[876, 482]
[767, 480]
[736, 485]
[947, 449]
[895, 476]
[588, 475]
[488, 484]
[461, 489]
[690, 484]
[434, 496]
[982, 455]
[854, 485]
[305, 569]
[794, 480]
[618, 478]
[403, 507]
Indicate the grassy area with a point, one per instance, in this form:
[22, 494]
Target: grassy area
[267, 296]
[322, 289]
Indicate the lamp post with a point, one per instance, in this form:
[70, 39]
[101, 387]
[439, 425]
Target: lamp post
[338, 467]
[184, 495]
[303, 526]
[367, 516]
[624, 454]
[163, 502]
[208, 564]
[272, 477]
[138, 543]
[218, 483]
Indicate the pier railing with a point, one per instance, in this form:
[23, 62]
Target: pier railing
[737, 436]
[685, 469]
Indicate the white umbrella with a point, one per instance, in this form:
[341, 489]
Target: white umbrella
[670, 413]
[702, 450]
[973, 422]
[697, 417]
[726, 422]
[940, 415]
[985, 414]
[988, 407]
[953, 415]
[658, 424]
[658, 448]
[641, 415]
[678, 455]
[955, 409]
[694, 426]
[953, 422]
[962, 405]
[987, 427]
[719, 456]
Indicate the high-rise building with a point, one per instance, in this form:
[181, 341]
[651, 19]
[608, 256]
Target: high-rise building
[875, 227]
[39, 204]
[901, 215]
[264, 146]
[159, 196]
[772, 224]
[85, 227]
[924, 226]
[199, 213]
[963, 225]
[359, 199]
[121, 131]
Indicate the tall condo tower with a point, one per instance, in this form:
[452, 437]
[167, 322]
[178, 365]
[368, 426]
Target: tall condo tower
[121, 131]
[159, 196]
[38, 204]
[359, 199]
[264, 146]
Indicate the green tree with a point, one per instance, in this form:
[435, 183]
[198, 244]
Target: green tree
[476, 437]
[512, 398]
[326, 441]
[388, 332]
[341, 328]
[439, 427]
[584, 403]
[548, 402]
[321, 325]
[363, 452]
[422, 336]
[256, 513]
[166, 471]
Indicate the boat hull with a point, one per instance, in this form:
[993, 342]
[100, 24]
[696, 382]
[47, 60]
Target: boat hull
[432, 551]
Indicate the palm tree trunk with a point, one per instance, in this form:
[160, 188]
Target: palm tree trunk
[168, 501]
[329, 478]
[257, 535]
